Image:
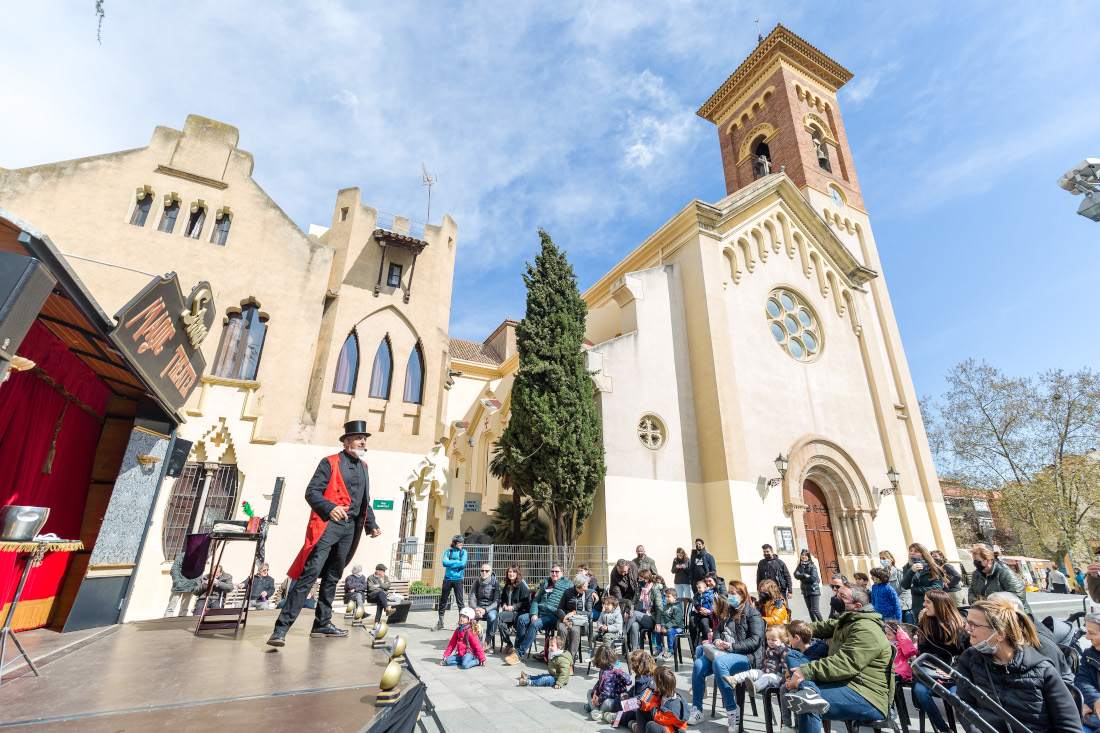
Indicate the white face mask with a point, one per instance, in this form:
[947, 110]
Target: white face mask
[885, 563]
[984, 647]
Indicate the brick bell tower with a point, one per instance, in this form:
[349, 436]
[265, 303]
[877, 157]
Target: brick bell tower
[780, 106]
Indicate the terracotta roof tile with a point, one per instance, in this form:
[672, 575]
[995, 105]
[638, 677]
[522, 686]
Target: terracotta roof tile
[474, 351]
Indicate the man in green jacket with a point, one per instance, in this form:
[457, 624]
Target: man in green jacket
[544, 612]
[854, 682]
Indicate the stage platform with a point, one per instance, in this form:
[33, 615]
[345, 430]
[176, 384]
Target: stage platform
[155, 674]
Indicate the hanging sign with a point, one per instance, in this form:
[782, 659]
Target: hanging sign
[383, 504]
[161, 332]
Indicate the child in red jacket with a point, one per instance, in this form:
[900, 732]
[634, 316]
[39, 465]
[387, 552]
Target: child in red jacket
[464, 649]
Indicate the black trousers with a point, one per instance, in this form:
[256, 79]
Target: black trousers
[381, 598]
[326, 561]
[445, 595]
[811, 606]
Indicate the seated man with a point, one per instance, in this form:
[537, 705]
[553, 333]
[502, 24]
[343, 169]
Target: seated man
[486, 598]
[223, 584]
[183, 590]
[851, 683]
[378, 593]
[263, 589]
[355, 587]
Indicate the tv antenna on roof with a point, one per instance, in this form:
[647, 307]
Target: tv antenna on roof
[427, 179]
[759, 36]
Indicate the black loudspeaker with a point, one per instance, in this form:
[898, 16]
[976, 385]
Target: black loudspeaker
[178, 457]
[276, 501]
[25, 283]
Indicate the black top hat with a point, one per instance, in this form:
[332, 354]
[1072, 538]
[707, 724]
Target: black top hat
[355, 427]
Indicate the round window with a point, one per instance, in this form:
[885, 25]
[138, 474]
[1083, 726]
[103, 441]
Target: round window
[793, 324]
[651, 431]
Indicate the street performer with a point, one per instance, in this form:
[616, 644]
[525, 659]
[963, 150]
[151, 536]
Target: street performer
[339, 497]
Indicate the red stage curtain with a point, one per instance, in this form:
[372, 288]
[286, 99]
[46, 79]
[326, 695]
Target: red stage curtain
[31, 411]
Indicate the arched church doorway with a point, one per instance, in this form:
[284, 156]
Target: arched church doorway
[819, 530]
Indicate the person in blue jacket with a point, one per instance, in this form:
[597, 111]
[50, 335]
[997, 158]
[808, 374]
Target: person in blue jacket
[1087, 679]
[454, 559]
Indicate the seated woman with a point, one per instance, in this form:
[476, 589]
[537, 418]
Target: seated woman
[355, 587]
[738, 646]
[515, 603]
[1003, 660]
[647, 608]
[771, 604]
[573, 614]
[942, 633]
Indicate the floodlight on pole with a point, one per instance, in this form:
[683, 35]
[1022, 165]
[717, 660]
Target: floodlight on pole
[1084, 178]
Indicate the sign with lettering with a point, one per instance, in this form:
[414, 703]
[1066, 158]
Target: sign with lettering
[161, 332]
[471, 505]
[381, 504]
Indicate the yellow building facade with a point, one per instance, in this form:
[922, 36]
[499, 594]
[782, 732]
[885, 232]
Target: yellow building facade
[348, 321]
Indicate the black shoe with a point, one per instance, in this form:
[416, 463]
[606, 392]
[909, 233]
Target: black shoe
[327, 630]
[277, 639]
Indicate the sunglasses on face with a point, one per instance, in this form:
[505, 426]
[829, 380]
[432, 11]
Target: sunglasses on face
[835, 587]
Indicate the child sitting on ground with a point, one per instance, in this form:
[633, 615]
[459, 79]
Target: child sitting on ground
[907, 650]
[609, 626]
[662, 710]
[643, 666]
[669, 624]
[557, 668]
[773, 665]
[883, 597]
[612, 685]
[464, 649]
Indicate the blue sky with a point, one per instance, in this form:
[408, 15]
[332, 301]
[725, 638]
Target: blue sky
[580, 118]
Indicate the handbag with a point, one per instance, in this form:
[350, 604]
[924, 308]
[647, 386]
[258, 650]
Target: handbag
[580, 620]
[506, 617]
[712, 651]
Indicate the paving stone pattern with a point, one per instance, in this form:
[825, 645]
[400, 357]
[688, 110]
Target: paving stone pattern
[486, 698]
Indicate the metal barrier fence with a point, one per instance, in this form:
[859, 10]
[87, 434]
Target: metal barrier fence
[424, 568]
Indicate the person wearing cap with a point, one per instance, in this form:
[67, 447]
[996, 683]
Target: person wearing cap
[378, 593]
[454, 560]
[339, 499]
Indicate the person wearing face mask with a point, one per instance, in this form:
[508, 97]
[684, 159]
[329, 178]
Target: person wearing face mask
[886, 559]
[991, 576]
[952, 578]
[772, 568]
[921, 574]
[339, 499]
[1003, 661]
[701, 562]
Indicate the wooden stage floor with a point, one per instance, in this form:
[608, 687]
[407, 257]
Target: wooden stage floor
[154, 674]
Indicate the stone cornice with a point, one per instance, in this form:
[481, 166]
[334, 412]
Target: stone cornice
[779, 43]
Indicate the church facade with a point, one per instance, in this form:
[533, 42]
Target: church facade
[752, 329]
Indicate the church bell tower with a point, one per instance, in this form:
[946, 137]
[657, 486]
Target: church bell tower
[778, 111]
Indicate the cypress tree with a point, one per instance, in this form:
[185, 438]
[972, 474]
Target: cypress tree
[552, 448]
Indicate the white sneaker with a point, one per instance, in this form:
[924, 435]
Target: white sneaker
[596, 714]
[696, 716]
[731, 722]
[806, 700]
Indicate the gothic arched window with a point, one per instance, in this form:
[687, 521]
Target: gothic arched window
[414, 377]
[382, 370]
[221, 229]
[241, 344]
[168, 218]
[347, 368]
[141, 209]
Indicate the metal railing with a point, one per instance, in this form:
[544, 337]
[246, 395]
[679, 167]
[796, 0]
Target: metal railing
[424, 569]
[387, 221]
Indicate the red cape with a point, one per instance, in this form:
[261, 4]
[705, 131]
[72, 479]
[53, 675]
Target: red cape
[337, 493]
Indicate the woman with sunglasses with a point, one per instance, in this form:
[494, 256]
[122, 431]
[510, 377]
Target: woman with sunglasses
[1003, 660]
